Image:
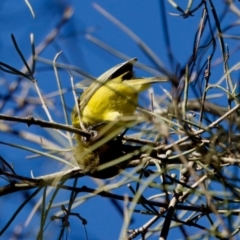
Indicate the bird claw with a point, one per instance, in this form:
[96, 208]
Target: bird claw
[91, 138]
[93, 133]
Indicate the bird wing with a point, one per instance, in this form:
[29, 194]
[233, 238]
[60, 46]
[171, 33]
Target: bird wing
[105, 77]
[117, 70]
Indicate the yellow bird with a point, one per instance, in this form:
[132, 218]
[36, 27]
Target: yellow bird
[106, 101]
[112, 96]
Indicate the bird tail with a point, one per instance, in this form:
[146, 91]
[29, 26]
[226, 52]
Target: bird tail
[142, 84]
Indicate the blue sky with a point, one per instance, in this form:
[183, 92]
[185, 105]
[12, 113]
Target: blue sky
[144, 19]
